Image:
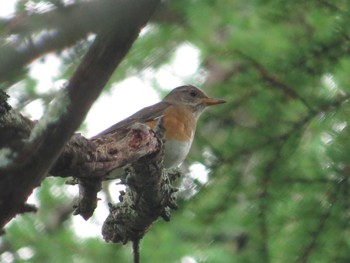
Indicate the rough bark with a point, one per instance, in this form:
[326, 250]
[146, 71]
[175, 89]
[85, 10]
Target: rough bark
[94, 159]
[149, 196]
[30, 151]
[24, 163]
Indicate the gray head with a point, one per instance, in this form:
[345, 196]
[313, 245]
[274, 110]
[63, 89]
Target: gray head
[192, 97]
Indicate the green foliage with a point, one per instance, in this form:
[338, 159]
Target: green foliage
[278, 152]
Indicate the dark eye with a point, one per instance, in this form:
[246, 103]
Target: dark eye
[193, 94]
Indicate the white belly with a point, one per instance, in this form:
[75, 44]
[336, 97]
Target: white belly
[175, 152]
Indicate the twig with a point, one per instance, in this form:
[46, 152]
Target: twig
[309, 248]
[274, 81]
[87, 202]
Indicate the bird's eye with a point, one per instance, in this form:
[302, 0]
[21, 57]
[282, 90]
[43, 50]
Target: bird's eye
[193, 94]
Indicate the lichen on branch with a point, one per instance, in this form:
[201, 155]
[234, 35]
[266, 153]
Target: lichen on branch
[149, 195]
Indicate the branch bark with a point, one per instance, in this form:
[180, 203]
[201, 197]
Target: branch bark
[28, 163]
[150, 196]
[42, 33]
[94, 159]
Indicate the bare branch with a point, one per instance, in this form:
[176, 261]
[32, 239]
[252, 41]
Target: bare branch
[109, 152]
[41, 33]
[90, 161]
[149, 196]
[88, 189]
[94, 159]
[30, 165]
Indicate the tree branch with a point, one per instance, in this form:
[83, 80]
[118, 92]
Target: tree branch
[274, 81]
[149, 196]
[90, 161]
[315, 234]
[54, 30]
[109, 152]
[94, 159]
[29, 164]
[41, 33]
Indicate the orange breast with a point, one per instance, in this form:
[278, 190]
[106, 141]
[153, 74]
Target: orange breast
[179, 123]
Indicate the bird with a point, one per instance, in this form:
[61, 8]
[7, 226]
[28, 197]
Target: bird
[179, 110]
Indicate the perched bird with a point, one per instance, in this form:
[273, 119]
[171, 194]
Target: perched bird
[180, 110]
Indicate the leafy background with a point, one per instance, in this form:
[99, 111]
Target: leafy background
[277, 153]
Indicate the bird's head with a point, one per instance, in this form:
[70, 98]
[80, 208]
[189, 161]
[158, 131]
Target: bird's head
[193, 97]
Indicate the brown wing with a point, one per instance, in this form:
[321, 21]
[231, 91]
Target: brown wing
[146, 114]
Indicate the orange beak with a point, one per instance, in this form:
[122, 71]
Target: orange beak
[212, 101]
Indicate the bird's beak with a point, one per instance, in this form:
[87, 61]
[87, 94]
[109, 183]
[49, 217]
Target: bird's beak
[212, 101]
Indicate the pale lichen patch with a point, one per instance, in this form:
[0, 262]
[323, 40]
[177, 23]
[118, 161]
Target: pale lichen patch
[56, 109]
[7, 156]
